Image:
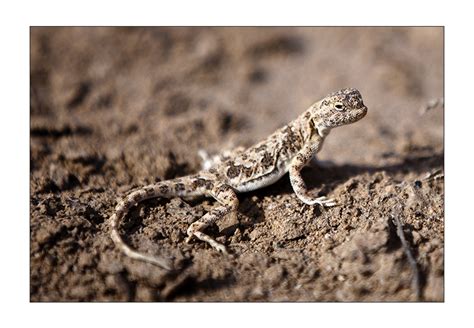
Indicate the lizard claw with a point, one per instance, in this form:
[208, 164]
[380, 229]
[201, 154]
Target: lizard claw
[326, 202]
[323, 201]
[220, 248]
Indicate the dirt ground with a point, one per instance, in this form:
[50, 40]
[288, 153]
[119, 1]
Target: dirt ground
[113, 109]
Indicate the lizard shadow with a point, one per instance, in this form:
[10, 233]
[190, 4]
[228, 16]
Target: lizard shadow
[192, 284]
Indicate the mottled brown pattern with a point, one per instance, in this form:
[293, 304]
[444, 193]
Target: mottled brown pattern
[136, 197]
[150, 191]
[179, 187]
[209, 184]
[290, 140]
[267, 159]
[200, 182]
[164, 189]
[221, 189]
[247, 171]
[233, 171]
[197, 182]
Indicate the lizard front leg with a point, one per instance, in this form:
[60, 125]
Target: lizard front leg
[228, 201]
[297, 182]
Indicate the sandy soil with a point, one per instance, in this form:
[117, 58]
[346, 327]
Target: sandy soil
[116, 108]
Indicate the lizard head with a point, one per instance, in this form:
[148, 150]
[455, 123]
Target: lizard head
[341, 107]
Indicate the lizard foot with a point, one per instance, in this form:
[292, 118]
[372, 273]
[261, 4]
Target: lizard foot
[323, 201]
[202, 236]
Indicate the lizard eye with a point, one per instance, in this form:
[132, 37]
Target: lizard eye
[339, 106]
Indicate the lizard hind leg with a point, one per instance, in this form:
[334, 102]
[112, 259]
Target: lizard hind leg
[228, 203]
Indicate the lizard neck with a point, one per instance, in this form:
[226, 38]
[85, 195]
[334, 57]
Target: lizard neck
[323, 131]
[311, 124]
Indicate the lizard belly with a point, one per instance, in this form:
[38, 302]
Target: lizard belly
[262, 181]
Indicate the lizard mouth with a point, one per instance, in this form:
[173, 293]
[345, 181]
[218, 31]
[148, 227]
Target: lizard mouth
[361, 112]
[356, 115]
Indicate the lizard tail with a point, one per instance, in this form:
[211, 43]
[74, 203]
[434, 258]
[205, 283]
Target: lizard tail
[160, 189]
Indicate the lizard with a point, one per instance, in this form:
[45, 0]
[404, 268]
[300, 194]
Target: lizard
[287, 150]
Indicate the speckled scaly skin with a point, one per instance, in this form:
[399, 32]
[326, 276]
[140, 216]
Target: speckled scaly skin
[288, 149]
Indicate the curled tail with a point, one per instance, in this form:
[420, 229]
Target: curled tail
[166, 189]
